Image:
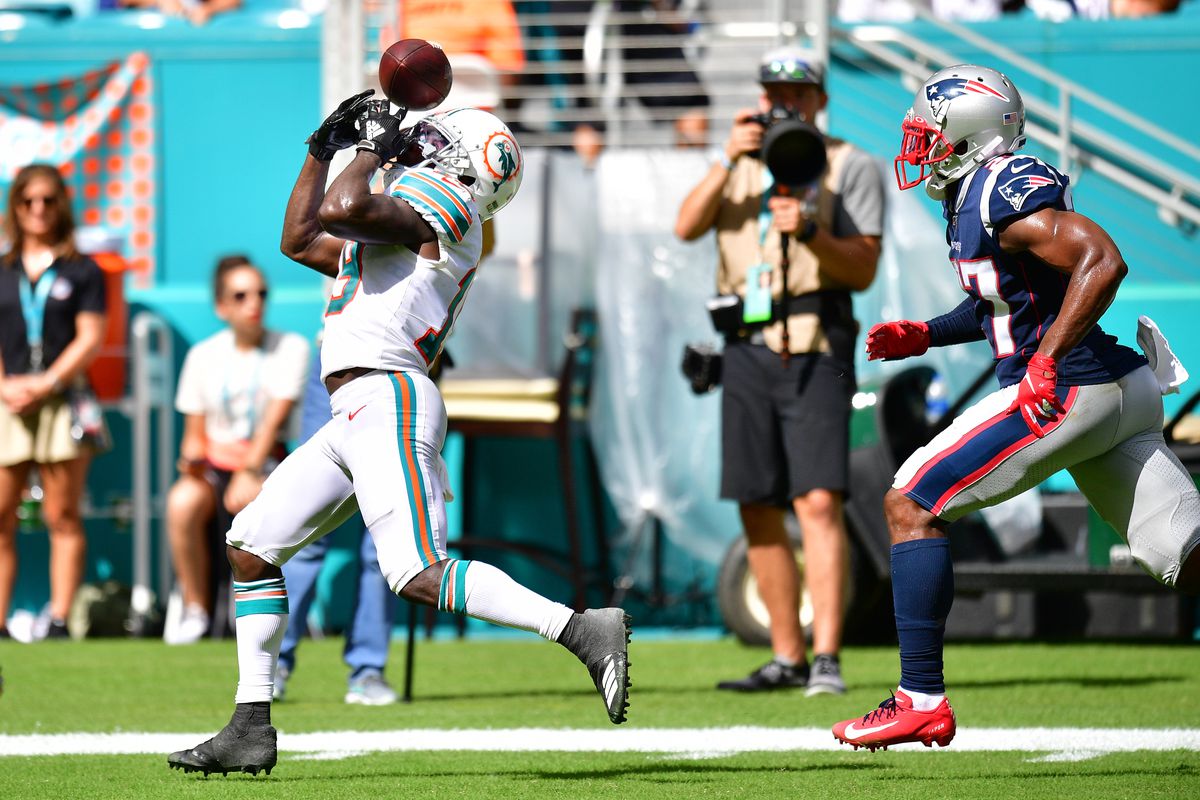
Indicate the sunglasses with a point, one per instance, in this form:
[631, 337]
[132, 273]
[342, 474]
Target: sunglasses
[240, 297]
[50, 201]
[788, 71]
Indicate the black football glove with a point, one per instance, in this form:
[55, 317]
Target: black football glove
[380, 131]
[339, 130]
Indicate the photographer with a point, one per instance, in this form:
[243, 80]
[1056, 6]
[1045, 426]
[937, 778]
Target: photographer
[786, 404]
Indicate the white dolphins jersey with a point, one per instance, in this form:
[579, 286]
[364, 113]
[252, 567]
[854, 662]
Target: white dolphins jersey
[390, 308]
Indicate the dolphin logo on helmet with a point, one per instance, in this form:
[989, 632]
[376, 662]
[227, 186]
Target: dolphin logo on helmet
[506, 159]
[474, 146]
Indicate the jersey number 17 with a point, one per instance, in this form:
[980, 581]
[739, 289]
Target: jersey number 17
[978, 277]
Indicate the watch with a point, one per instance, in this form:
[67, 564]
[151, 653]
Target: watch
[810, 230]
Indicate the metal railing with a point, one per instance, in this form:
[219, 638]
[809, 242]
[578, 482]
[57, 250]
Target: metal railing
[722, 45]
[153, 383]
[1056, 125]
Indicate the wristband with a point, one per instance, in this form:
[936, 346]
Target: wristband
[317, 150]
[320, 153]
[725, 162]
[369, 146]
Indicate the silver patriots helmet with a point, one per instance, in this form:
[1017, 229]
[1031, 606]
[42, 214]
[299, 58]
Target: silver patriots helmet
[960, 118]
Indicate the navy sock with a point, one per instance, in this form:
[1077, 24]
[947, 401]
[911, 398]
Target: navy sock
[923, 591]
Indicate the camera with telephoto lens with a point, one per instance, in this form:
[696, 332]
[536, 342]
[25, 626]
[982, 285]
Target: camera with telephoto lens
[792, 149]
[778, 113]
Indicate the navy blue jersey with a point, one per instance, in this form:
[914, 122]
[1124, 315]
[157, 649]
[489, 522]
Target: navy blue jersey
[1017, 296]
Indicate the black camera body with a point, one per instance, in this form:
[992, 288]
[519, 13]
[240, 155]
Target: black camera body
[702, 367]
[792, 149]
[776, 114]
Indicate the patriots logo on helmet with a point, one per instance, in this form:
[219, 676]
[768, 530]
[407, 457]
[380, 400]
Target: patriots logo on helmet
[1017, 190]
[941, 93]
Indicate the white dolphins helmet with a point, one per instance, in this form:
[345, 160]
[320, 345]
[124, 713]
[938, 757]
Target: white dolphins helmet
[478, 149]
[960, 118]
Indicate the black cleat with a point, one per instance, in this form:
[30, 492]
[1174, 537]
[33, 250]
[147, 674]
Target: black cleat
[772, 675]
[246, 744]
[600, 639]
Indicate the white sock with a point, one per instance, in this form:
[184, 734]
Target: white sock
[787, 662]
[922, 701]
[261, 619]
[480, 590]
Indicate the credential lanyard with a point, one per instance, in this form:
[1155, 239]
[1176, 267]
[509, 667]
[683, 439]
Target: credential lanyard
[251, 389]
[764, 211]
[764, 227]
[33, 307]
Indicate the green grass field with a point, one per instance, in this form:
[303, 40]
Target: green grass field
[114, 687]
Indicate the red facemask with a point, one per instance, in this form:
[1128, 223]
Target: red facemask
[923, 146]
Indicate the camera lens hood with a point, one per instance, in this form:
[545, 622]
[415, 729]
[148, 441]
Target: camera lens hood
[794, 151]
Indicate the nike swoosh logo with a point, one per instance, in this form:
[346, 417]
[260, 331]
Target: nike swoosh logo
[853, 731]
[355, 411]
[1015, 169]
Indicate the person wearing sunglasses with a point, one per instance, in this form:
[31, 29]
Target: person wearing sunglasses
[52, 307]
[236, 391]
[790, 256]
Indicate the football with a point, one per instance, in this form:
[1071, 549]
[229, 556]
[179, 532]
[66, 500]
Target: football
[415, 74]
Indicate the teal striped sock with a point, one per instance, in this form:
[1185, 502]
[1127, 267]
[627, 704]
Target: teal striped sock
[268, 596]
[479, 590]
[452, 596]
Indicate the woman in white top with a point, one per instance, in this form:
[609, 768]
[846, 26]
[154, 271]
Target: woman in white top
[236, 392]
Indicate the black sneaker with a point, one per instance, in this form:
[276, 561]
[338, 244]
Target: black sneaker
[4, 634]
[246, 744]
[600, 639]
[826, 677]
[58, 630]
[772, 675]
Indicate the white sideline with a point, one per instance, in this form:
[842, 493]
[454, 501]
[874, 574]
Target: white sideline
[1059, 744]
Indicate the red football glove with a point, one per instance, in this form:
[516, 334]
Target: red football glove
[1035, 394]
[899, 339]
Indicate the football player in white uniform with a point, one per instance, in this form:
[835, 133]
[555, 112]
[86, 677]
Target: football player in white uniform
[403, 261]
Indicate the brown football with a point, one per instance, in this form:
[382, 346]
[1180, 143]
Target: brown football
[415, 74]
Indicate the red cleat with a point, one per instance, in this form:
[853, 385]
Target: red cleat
[897, 722]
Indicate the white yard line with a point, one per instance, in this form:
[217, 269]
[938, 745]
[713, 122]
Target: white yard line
[1058, 744]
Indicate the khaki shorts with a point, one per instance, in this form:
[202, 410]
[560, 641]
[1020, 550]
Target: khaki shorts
[43, 437]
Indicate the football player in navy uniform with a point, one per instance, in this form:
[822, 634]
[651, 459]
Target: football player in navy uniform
[1038, 276]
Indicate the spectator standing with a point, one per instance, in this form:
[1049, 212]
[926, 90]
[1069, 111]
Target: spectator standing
[785, 420]
[197, 12]
[236, 392]
[52, 318]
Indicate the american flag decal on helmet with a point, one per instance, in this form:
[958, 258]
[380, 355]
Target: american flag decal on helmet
[1010, 117]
